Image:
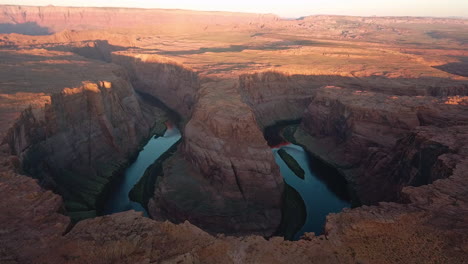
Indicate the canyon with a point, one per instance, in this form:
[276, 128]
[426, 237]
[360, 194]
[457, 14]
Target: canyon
[381, 100]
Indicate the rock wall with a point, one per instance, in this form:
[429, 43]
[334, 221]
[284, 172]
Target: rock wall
[56, 19]
[432, 228]
[173, 84]
[224, 178]
[275, 96]
[77, 143]
[373, 138]
[433, 216]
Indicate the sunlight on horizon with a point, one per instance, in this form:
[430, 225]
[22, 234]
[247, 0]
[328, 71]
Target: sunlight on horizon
[291, 8]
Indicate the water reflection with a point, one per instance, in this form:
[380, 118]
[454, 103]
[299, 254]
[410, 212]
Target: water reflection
[319, 199]
[119, 200]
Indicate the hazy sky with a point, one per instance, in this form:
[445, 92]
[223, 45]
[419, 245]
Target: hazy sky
[285, 8]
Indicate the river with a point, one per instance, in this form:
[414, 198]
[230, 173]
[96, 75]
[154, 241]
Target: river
[318, 198]
[118, 200]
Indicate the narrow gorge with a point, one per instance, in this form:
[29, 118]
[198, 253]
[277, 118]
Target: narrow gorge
[187, 144]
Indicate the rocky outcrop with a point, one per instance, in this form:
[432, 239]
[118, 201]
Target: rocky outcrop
[81, 139]
[432, 222]
[33, 231]
[224, 178]
[30, 215]
[173, 84]
[276, 96]
[426, 230]
[389, 127]
[372, 138]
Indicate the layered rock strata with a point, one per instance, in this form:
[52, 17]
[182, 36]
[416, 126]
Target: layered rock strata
[425, 230]
[274, 96]
[277, 96]
[373, 138]
[54, 19]
[412, 141]
[78, 141]
[224, 177]
[173, 84]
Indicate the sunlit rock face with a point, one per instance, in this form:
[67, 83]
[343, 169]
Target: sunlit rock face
[229, 172]
[168, 81]
[373, 138]
[275, 96]
[55, 19]
[78, 99]
[90, 128]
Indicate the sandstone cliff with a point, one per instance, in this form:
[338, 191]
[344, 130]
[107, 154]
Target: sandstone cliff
[71, 142]
[173, 84]
[77, 141]
[426, 230]
[371, 138]
[434, 216]
[390, 126]
[224, 178]
[56, 19]
[364, 128]
[277, 96]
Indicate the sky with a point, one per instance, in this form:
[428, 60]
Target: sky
[285, 8]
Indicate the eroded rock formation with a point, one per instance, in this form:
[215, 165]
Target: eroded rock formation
[229, 180]
[374, 140]
[397, 122]
[91, 129]
[34, 232]
[166, 80]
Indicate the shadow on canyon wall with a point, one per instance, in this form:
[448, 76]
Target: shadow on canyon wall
[279, 45]
[398, 86]
[28, 28]
[344, 122]
[168, 81]
[458, 68]
[283, 133]
[178, 86]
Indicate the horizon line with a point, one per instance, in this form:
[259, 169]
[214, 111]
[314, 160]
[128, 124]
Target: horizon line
[240, 12]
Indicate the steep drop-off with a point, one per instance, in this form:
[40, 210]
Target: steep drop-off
[367, 135]
[391, 125]
[161, 78]
[359, 128]
[224, 177]
[78, 142]
[275, 97]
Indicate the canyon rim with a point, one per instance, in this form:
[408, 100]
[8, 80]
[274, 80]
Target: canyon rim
[379, 105]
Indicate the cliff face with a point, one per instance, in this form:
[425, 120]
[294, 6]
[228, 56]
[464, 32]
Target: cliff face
[54, 19]
[433, 224]
[171, 83]
[433, 212]
[383, 131]
[372, 138]
[78, 141]
[223, 151]
[226, 179]
[368, 134]
[223, 177]
[275, 96]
